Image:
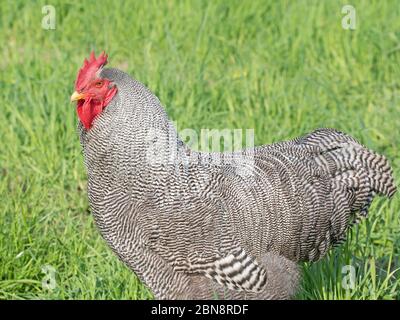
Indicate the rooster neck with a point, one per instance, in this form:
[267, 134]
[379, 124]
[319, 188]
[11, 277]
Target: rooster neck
[131, 135]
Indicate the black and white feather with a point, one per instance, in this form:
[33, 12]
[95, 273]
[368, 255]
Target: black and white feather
[197, 225]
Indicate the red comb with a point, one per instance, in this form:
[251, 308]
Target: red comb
[89, 69]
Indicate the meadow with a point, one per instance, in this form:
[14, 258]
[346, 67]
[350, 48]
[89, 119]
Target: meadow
[282, 68]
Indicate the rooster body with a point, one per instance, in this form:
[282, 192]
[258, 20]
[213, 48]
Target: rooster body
[231, 225]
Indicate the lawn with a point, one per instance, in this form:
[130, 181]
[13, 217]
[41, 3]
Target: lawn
[282, 68]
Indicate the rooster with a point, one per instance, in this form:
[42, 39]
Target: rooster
[197, 225]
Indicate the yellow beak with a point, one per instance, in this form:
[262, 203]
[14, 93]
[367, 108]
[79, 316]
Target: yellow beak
[77, 96]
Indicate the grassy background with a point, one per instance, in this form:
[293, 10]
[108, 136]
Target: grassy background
[283, 68]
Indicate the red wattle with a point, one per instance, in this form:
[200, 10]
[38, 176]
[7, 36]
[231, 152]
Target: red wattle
[88, 110]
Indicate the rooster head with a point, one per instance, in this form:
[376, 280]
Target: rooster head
[92, 93]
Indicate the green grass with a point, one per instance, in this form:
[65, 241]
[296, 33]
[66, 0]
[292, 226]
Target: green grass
[283, 68]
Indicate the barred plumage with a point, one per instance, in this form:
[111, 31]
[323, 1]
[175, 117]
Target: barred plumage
[229, 225]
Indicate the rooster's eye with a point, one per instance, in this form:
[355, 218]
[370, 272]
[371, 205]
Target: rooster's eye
[98, 84]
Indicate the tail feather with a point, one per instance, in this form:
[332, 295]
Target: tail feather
[357, 174]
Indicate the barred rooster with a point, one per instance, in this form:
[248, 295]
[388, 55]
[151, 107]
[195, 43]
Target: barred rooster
[233, 225]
